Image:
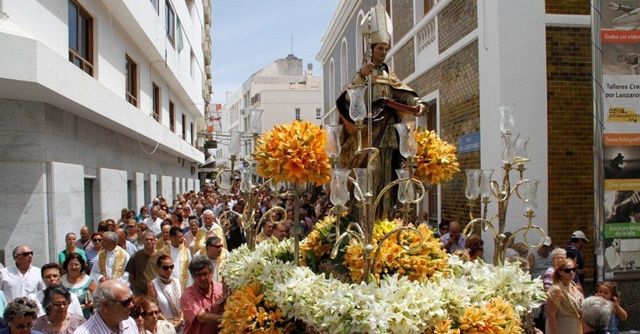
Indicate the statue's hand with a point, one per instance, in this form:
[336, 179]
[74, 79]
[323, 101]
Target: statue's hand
[366, 69]
[422, 109]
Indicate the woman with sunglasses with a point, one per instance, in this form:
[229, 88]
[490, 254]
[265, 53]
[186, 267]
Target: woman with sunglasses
[57, 318]
[564, 301]
[92, 253]
[167, 291]
[147, 310]
[19, 315]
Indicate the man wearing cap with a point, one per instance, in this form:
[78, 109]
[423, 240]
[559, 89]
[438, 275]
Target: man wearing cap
[540, 259]
[578, 240]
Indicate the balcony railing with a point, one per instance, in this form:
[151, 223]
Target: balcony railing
[79, 61]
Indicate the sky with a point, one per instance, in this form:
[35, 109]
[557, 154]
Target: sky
[250, 34]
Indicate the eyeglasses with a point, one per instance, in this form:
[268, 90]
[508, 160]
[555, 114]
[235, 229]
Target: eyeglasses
[123, 303]
[60, 304]
[170, 267]
[568, 270]
[25, 254]
[96, 240]
[216, 246]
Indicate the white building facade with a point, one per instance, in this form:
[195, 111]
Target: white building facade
[283, 90]
[99, 106]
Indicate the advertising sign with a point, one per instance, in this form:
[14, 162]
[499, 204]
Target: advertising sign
[620, 39]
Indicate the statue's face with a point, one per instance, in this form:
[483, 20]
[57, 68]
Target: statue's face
[379, 53]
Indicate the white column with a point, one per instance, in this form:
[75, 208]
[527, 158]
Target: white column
[112, 188]
[166, 185]
[153, 187]
[512, 65]
[66, 203]
[138, 184]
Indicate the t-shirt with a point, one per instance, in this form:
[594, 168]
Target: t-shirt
[142, 269]
[193, 302]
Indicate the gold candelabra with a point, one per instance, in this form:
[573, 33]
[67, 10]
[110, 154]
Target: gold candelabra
[481, 185]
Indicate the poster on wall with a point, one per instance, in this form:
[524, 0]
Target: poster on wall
[620, 42]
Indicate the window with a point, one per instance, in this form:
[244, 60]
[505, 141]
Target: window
[360, 41]
[156, 102]
[132, 81]
[179, 38]
[172, 117]
[170, 23]
[344, 65]
[184, 127]
[427, 5]
[297, 114]
[318, 113]
[80, 37]
[156, 5]
[191, 133]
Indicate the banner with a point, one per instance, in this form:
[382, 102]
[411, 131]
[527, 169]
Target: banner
[620, 42]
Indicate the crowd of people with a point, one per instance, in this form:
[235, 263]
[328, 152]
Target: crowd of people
[158, 270]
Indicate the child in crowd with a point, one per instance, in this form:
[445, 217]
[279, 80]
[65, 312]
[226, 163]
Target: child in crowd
[609, 291]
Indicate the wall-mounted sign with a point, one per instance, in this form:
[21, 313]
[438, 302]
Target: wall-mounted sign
[469, 142]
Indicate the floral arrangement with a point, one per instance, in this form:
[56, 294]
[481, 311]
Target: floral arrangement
[437, 161]
[417, 255]
[246, 311]
[293, 153]
[473, 298]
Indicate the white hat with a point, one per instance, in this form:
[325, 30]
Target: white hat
[579, 235]
[379, 25]
[547, 241]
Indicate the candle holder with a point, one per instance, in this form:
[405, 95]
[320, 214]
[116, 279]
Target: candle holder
[480, 185]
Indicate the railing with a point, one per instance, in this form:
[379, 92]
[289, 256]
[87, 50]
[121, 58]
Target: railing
[79, 61]
[132, 99]
[426, 35]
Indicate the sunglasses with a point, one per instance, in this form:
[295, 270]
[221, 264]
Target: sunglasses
[25, 254]
[123, 303]
[151, 313]
[96, 240]
[216, 246]
[168, 267]
[569, 270]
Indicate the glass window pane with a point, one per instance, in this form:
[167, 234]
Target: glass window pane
[73, 26]
[83, 38]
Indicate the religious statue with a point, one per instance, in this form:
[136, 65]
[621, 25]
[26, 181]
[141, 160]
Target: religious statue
[391, 102]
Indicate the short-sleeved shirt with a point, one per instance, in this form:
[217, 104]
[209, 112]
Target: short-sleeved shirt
[14, 284]
[445, 239]
[141, 269]
[62, 256]
[193, 302]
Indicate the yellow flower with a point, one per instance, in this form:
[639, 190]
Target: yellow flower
[415, 254]
[437, 161]
[293, 153]
[498, 316]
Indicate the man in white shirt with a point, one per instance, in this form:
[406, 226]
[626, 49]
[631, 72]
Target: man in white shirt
[113, 304]
[51, 273]
[111, 261]
[23, 278]
[180, 255]
[153, 221]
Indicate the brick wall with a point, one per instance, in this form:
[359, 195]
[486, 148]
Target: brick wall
[456, 21]
[457, 80]
[576, 7]
[570, 135]
[402, 12]
[404, 61]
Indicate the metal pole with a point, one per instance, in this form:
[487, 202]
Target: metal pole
[598, 127]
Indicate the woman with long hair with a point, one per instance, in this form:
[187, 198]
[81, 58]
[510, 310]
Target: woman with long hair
[152, 320]
[564, 301]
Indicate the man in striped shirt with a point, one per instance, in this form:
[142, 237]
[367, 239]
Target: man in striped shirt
[112, 300]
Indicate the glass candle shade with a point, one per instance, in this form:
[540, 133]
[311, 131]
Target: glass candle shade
[246, 179]
[408, 146]
[485, 182]
[406, 193]
[363, 182]
[338, 185]
[357, 107]
[234, 142]
[332, 146]
[255, 120]
[507, 123]
[472, 189]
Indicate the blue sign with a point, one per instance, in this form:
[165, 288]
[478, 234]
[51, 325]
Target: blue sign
[469, 143]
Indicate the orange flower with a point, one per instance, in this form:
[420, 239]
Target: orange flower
[437, 161]
[293, 153]
[247, 312]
